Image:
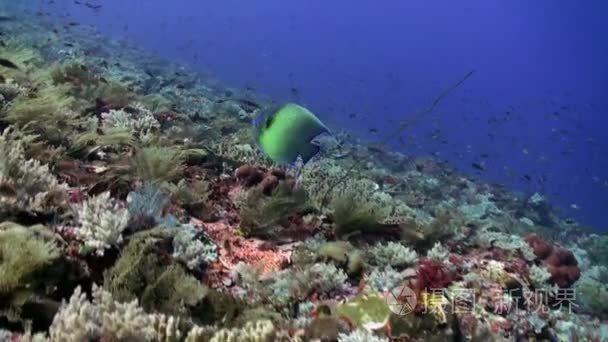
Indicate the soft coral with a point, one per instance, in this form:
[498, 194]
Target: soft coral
[560, 262]
[432, 275]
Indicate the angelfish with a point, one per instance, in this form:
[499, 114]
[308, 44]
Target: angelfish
[286, 133]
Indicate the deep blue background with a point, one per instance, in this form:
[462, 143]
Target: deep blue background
[536, 105]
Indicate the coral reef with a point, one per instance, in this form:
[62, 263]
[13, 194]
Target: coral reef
[135, 207]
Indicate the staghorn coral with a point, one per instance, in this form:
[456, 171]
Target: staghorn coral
[281, 287]
[259, 331]
[384, 279]
[539, 276]
[326, 277]
[487, 239]
[142, 124]
[107, 137]
[102, 220]
[102, 318]
[25, 184]
[360, 335]
[393, 254]
[189, 248]
[438, 253]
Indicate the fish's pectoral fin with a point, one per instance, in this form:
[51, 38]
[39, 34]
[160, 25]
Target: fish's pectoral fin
[309, 151]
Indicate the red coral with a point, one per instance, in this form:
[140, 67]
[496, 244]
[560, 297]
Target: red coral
[432, 275]
[560, 262]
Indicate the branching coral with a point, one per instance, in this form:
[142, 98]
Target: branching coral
[281, 287]
[259, 331]
[539, 276]
[384, 279]
[438, 253]
[190, 249]
[103, 318]
[107, 137]
[487, 238]
[393, 254]
[327, 277]
[140, 124]
[25, 184]
[360, 335]
[102, 221]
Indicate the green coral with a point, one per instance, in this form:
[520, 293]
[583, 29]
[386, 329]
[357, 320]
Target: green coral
[261, 214]
[384, 279]
[598, 248]
[115, 95]
[393, 254]
[22, 254]
[48, 110]
[159, 283]
[352, 216]
[25, 257]
[343, 254]
[189, 248]
[365, 309]
[158, 163]
[592, 289]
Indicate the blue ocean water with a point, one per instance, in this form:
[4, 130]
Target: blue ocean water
[533, 116]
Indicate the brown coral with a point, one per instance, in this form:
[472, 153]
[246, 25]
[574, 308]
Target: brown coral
[266, 179]
[560, 262]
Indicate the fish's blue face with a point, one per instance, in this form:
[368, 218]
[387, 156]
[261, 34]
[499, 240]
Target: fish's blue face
[259, 119]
